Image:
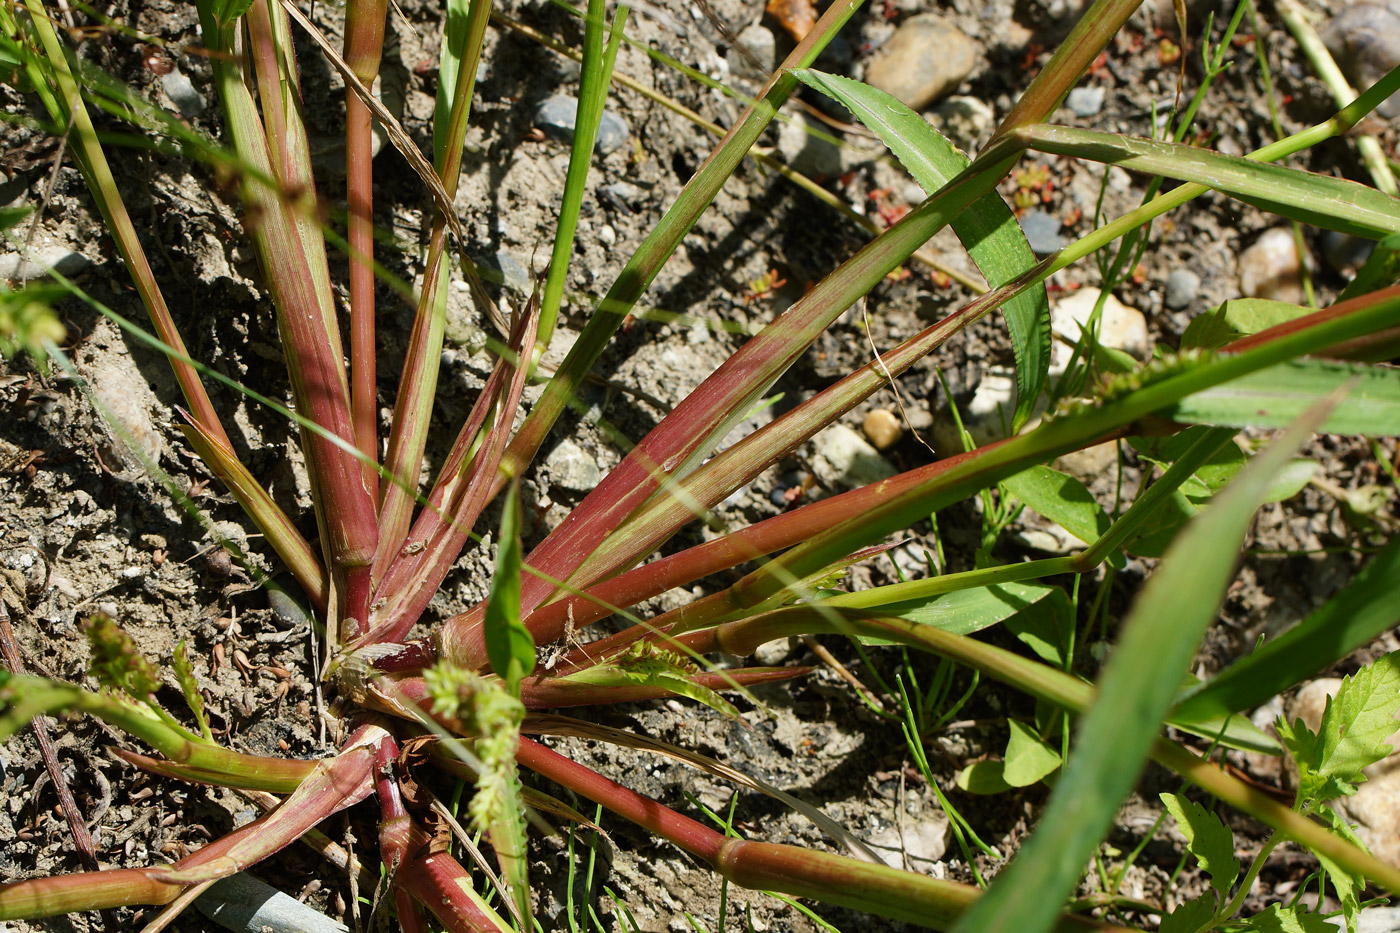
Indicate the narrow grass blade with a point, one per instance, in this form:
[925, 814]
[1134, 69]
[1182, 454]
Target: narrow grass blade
[1322, 200]
[509, 647]
[1277, 396]
[598, 60]
[962, 611]
[987, 228]
[1134, 693]
[1365, 609]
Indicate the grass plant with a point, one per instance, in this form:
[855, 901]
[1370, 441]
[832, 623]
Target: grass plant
[465, 696]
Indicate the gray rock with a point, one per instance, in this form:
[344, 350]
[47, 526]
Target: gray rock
[761, 46]
[1086, 101]
[557, 116]
[806, 153]
[183, 94]
[41, 260]
[245, 904]
[1182, 286]
[1345, 253]
[570, 468]
[1270, 267]
[622, 195]
[966, 121]
[513, 275]
[844, 460]
[774, 653]
[1042, 232]
[926, 59]
[1365, 40]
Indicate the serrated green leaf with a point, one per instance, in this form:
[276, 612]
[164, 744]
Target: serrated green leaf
[509, 647]
[189, 687]
[1276, 396]
[1348, 885]
[1061, 498]
[1238, 318]
[987, 228]
[1280, 919]
[1352, 732]
[1028, 758]
[1208, 839]
[983, 778]
[1190, 916]
[1365, 608]
[961, 611]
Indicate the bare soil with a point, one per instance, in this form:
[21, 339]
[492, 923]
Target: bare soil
[83, 527]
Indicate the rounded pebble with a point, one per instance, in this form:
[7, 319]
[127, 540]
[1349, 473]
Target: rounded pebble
[1182, 286]
[1365, 40]
[1086, 101]
[557, 116]
[1042, 232]
[926, 58]
[1270, 267]
[883, 428]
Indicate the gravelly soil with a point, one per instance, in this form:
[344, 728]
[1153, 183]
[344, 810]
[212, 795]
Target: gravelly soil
[84, 527]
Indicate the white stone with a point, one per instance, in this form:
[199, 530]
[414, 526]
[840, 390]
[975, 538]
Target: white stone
[570, 467]
[1120, 327]
[1270, 268]
[845, 460]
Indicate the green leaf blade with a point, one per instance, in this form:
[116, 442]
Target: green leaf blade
[1208, 839]
[509, 646]
[987, 228]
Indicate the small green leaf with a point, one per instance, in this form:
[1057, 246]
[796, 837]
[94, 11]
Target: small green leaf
[650, 665]
[987, 228]
[509, 647]
[1028, 758]
[1348, 885]
[1276, 396]
[1046, 627]
[1280, 919]
[1063, 499]
[1190, 916]
[12, 215]
[1351, 735]
[1235, 319]
[1208, 839]
[983, 777]
[961, 611]
[189, 687]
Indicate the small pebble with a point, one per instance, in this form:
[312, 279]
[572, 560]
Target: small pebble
[513, 274]
[1120, 327]
[1042, 232]
[58, 258]
[759, 42]
[557, 115]
[607, 235]
[774, 653]
[1270, 267]
[1182, 286]
[183, 94]
[926, 58]
[571, 468]
[622, 195]
[883, 428]
[1365, 40]
[1086, 101]
[844, 460]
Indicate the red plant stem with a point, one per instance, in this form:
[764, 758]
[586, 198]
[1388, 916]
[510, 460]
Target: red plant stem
[442, 885]
[552, 693]
[395, 825]
[82, 839]
[96, 890]
[823, 876]
[364, 44]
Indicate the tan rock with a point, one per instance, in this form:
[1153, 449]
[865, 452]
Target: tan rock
[883, 428]
[925, 60]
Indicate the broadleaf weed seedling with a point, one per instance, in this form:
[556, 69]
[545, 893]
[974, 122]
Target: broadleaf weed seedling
[466, 699]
